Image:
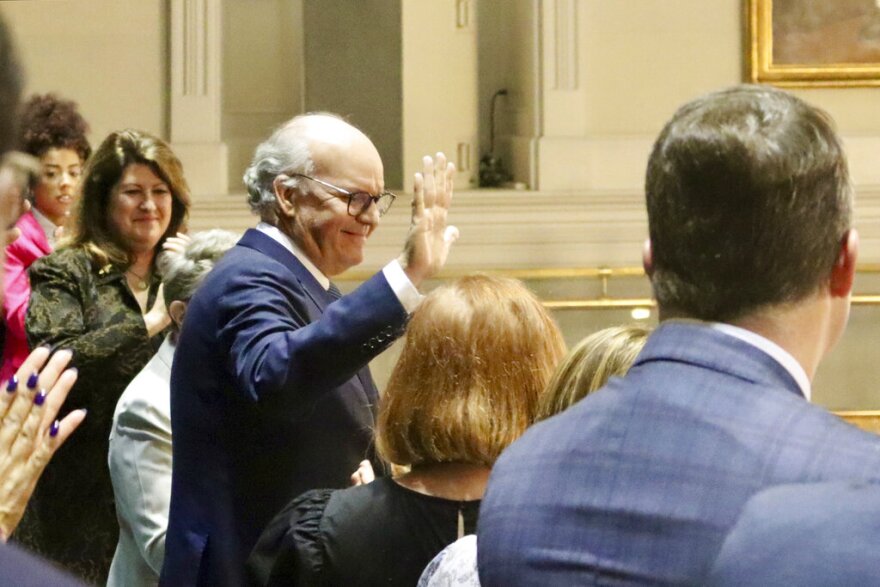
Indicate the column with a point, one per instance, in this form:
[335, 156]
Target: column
[196, 106]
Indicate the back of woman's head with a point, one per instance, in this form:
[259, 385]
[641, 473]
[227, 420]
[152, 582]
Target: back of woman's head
[589, 366]
[91, 227]
[478, 353]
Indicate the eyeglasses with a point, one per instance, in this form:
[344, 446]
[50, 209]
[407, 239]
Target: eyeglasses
[358, 202]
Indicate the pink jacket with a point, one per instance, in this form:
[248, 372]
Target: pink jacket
[30, 246]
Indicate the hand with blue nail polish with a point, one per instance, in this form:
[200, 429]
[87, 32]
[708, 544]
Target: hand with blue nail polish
[30, 432]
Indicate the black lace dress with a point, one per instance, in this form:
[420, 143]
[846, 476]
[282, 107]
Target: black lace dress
[375, 534]
[71, 518]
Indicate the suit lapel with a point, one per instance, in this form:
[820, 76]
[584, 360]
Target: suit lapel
[254, 239]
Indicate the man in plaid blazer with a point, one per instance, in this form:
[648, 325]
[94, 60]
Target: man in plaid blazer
[751, 257]
[809, 535]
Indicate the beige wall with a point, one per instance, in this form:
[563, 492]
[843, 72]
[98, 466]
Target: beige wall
[360, 78]
[634, 63]
[108, 55]
[508, 59]
[262, 74]
[637, 61]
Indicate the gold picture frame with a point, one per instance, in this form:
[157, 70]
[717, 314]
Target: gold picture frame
[813, 43]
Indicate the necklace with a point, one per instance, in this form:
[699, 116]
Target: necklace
[142, 281]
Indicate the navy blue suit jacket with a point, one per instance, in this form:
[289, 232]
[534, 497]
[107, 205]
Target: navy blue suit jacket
[639, 482]
[270, 396]
[812, 535]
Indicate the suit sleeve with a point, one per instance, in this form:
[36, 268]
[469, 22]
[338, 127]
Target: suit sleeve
[140, 468]
[56, 316]
[274, 344]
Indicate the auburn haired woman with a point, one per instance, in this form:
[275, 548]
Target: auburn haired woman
[478, 354]
[585, 369]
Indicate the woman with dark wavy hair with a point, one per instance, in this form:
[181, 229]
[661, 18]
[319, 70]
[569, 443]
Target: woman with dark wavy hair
[54, 132]
[99, 295]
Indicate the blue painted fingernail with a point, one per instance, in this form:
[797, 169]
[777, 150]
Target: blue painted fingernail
[32, 380]
[40, 397]
[53, 430]
[12, 384]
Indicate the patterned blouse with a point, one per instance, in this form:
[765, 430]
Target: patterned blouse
[92, 311]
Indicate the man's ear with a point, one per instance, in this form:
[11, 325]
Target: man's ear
[648, 258]
[177, 310]
[844, 272]
[283, 196]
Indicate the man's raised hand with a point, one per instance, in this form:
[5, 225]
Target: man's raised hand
[429, 239]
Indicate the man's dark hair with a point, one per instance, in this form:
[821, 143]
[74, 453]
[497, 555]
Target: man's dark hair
[748, 200]
[11, 82]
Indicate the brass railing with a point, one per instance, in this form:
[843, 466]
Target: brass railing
[603, 301]
[868, 420]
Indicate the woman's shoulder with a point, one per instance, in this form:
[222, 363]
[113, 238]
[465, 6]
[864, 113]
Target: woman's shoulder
[303, 519]
[291, 544]
[27, 221]
[73, 259]
[366, 500]
[454, 565]
[31, 235]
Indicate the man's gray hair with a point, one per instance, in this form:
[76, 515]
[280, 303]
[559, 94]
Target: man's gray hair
[287, 151]
[183, 272]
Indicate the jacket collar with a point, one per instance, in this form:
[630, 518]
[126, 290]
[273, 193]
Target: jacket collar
[30, 228]
[700, 344]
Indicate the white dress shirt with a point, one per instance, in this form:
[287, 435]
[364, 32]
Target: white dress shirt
[779, 354]
[140, 468]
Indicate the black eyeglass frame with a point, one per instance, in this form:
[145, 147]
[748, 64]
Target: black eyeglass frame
[385, 196]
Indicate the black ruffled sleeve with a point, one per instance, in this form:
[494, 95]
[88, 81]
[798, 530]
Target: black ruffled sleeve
[290, 550]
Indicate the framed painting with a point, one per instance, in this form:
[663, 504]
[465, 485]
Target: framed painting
[818, 43]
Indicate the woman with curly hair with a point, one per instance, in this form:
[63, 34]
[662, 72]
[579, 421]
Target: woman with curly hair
[53, 131]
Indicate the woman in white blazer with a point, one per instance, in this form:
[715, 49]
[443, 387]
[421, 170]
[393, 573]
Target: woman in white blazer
[140, 439]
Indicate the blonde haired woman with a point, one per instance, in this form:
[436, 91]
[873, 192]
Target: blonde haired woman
[589, 365]
[477, 356]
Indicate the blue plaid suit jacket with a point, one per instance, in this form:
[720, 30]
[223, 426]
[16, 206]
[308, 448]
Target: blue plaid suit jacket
[809, 535]
[639, 482]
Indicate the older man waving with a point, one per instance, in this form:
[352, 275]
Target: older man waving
[270, 390]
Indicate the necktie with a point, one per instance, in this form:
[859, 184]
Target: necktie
[334, 291]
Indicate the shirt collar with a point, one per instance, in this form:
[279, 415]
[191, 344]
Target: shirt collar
[47, 225]
[284, 240]
[783, 357]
